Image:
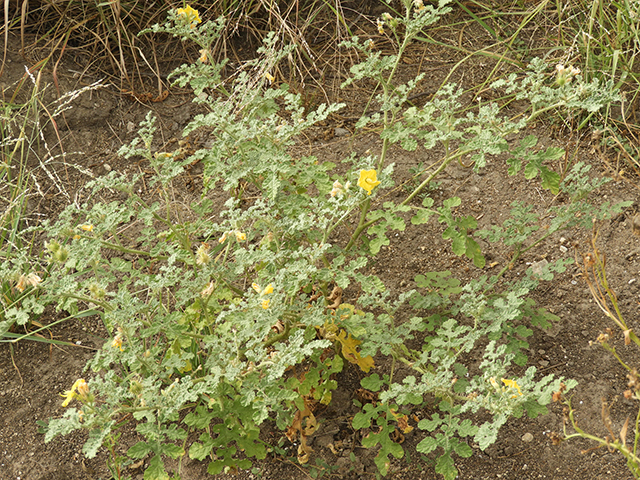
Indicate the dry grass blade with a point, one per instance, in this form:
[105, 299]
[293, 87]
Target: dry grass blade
[6, 35]
[102, 36]
[623, 432]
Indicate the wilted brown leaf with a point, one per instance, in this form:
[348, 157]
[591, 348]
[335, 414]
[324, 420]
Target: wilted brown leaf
[350, 352]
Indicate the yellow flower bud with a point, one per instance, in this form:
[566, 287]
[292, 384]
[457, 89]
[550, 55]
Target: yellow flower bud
[204, 55]
[202, 254]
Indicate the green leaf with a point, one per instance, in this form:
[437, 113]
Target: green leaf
[199, 419]
[460, 369]
[463, 449]
[430, 425]
[139, 450]
[534, 409]
[529, 141]
[199, 451]
[363, 419]
[467, 428]
[531, 170]
[541, 318]
[458, 245]
[156, 471]
[445, 466]
[63, 426]
[550, 180]
[520, 359]
[376, 244]
[172, 450]
[474, 252]
[452, 202]
[96, 437]
[372, 382]
[215, 467]
[422, 216]
[427, 445]
[488, 433]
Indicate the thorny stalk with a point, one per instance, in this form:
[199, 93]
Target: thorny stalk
[594, 273]
[593, 268]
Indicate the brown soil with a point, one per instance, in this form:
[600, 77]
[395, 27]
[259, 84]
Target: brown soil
[33, 374]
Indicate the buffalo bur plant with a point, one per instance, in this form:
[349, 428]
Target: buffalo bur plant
[224, 316]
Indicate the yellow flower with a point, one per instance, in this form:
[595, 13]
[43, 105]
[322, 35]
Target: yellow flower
[204, 55]
[512, 384]
[32, 279]
[189, 15]
[267, 290]
[337, 189]
[368, 180]
[73, 393]
[87, 227]
[22, 283]
[83, 388]
[117, 343]
[240, 236]
[380, 24]
[269, 77]
[68, 396]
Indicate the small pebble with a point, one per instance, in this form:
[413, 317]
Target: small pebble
[341, 132]
[527, 437]
[563, 249]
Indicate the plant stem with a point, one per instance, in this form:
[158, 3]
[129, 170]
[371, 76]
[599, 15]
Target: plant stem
[362, 224]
